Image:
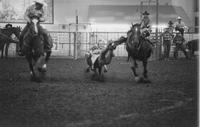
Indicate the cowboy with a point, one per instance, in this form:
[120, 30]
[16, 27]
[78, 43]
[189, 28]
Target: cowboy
[94, 53]
[8, 25]
[36, 10]
[170, 26]
[167, 37]
[180, 25]
[145, 25]
[179, 43]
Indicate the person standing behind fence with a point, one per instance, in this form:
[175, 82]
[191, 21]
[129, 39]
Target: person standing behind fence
[179, 43]
[170, 26]
[166, 37]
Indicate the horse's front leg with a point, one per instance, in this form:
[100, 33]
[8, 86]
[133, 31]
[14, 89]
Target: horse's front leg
[2, 53]
[48, 54]
[134, 63]
[32, 73]
[88, 62]
[6, 49]
[146, 80]
[145, 69]
[100, 69]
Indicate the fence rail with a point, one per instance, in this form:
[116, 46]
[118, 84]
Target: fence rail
[64, 43]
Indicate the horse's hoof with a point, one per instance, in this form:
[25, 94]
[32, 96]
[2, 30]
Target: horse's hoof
[105, 70]
[137, 79]
[42, 69]
[87, 70]
[145, 80]
[101, 80]
[32, 78]
[38, 80]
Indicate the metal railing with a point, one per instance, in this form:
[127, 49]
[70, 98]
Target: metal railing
[64, 42]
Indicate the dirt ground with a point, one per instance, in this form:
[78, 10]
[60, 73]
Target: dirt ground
[70, 98]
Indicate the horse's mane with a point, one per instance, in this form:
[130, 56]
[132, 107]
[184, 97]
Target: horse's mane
[136, 24]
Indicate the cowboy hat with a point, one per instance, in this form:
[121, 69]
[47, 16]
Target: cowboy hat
[170, 22]
[8, 25]
[145, 13]
[179, 17]
[41, 2]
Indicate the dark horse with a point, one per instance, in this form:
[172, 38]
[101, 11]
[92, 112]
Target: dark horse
[33, 47]
[6, 38]
[103, 59]
[138, 48]
[192, 46]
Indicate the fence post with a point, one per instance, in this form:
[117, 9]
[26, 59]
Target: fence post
[76, 37]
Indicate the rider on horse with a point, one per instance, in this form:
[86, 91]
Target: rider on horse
[180, 25]
[145, 25]
[36, 10]
[145, 28]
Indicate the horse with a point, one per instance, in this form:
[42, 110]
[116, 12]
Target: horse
[139, 49]
[6, 40]
[103, 59]
[192, 46]
[33, 48]
[179, 40]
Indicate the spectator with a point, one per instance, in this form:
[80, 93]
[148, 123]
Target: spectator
[166, 37]
[170, 26]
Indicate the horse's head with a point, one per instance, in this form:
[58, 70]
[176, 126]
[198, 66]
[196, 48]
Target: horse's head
[12, 30]
[33, 26]
[16, 31]
[135, 33]
[111, 45]
[34, 38]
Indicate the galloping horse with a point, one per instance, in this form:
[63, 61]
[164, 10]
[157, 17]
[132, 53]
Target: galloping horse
[33, 47]
[6, 40]
[138, 48]
[104, 58]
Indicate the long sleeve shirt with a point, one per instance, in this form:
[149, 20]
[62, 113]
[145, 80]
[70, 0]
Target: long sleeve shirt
[179, 25]
[145, 22]
[167, 36]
